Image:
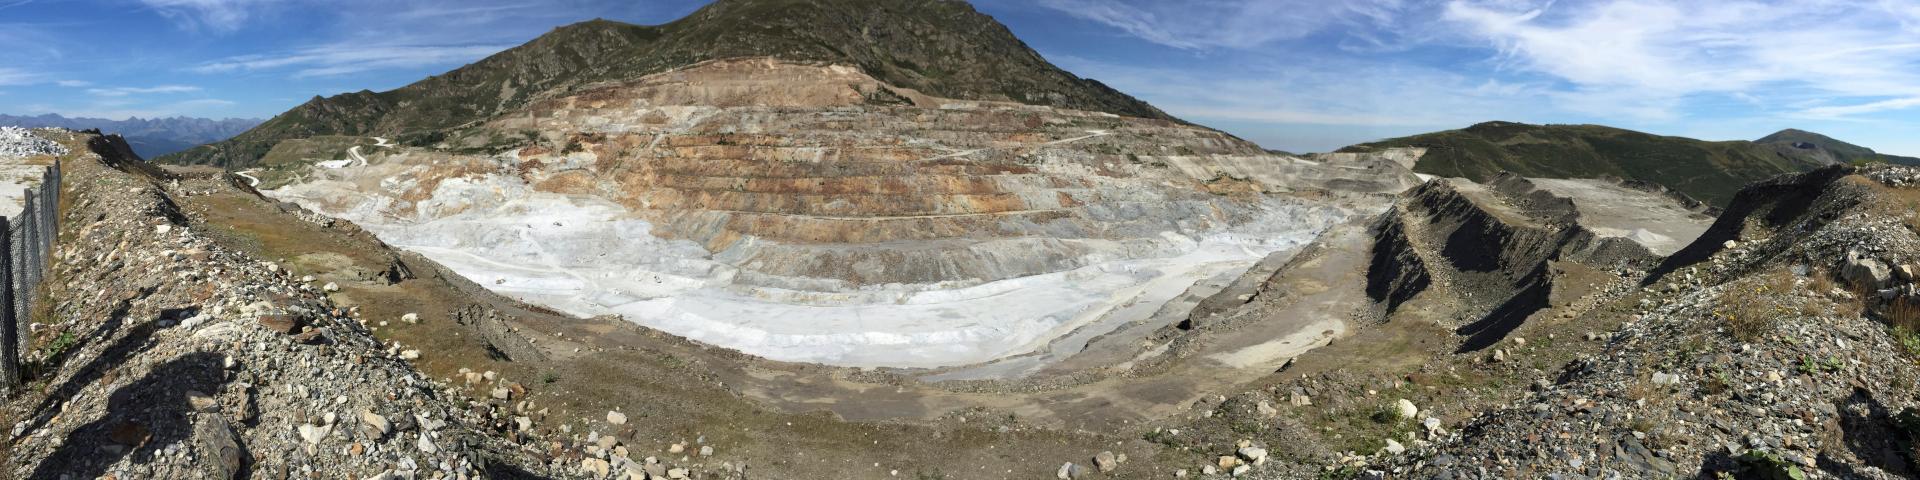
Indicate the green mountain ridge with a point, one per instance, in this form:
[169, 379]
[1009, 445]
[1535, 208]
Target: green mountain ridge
[1710, 171]
[939, 47]
[1813, 144]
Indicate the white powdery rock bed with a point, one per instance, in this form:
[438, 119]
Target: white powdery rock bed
[585, 256]
[18, 142]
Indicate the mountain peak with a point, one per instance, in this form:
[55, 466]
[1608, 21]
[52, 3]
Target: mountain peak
[942, 48]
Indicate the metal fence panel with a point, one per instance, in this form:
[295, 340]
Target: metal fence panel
[28, 239]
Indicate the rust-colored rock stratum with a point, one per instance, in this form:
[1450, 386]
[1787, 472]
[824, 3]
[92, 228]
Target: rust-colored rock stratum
[811, 212]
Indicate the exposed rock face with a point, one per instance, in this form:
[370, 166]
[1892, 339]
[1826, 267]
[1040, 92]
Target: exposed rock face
[941, 47]
[1734, 371]
[1494, 251]
[744, 188]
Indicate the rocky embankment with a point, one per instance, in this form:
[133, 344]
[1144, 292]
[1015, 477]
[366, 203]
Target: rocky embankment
[166, 355]
[1490, 253]
[1780, 344]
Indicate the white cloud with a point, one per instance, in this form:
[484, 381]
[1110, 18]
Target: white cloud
[1646, 58]
[126, 91]
[341, 59]
[73, 83]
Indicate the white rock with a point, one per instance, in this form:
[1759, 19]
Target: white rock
[1663, 378]
[330, 287]
[410, 318]
[616, 418]
[410, 355]
[1254, 455]
[313, 434]
[1395, 448]
[426, 445]
[1405, 409]
[376, 424]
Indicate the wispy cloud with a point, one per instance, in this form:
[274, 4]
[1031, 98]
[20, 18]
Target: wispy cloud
[126, 91]
[15, 76]
[218, 16]
[73, 83]
[1194, 25]
[342, 59]
[1845, 111]
[1646, 58]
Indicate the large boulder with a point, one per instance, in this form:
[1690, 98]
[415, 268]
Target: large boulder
[1863, 272]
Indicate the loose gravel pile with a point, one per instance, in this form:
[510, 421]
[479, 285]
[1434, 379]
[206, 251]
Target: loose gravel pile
[18, 142]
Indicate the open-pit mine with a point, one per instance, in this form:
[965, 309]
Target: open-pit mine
[811, 213]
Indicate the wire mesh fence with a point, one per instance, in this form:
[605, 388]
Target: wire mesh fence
[29, 240]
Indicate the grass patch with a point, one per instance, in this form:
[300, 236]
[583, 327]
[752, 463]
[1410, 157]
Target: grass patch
[60, 345]
[1367, 430]
[1751, 313]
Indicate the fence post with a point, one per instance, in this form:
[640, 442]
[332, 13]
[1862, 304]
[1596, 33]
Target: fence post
[9, 326]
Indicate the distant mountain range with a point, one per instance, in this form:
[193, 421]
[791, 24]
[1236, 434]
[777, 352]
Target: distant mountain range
[1706, 170]
[150, 137]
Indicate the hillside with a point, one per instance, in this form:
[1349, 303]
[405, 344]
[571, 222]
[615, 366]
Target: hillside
[937, 47]
[150, 137]
[1709, 171]
[1805, 143]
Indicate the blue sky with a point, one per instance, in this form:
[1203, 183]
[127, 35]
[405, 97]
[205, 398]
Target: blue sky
[1291, 74]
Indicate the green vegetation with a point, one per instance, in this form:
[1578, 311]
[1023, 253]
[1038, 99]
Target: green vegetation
[943, 48]
[1809, 143]
[1757, 464]
[60, 345]
[1708, 171]
[1909, 341]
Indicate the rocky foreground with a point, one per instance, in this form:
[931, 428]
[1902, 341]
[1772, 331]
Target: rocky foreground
[164, 355]
[1779, 345]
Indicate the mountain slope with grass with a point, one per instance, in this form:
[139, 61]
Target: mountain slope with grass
[937, 47]
[1805, 143]
[1706, 170]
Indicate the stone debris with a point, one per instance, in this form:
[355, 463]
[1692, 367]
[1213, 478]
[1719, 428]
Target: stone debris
[1105, 461]
[1748, 364]
[16, 142]
[225, 364]
[1405, 409]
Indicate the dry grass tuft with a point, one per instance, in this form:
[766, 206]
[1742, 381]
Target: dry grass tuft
[1752, 311]
[1904, 312]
